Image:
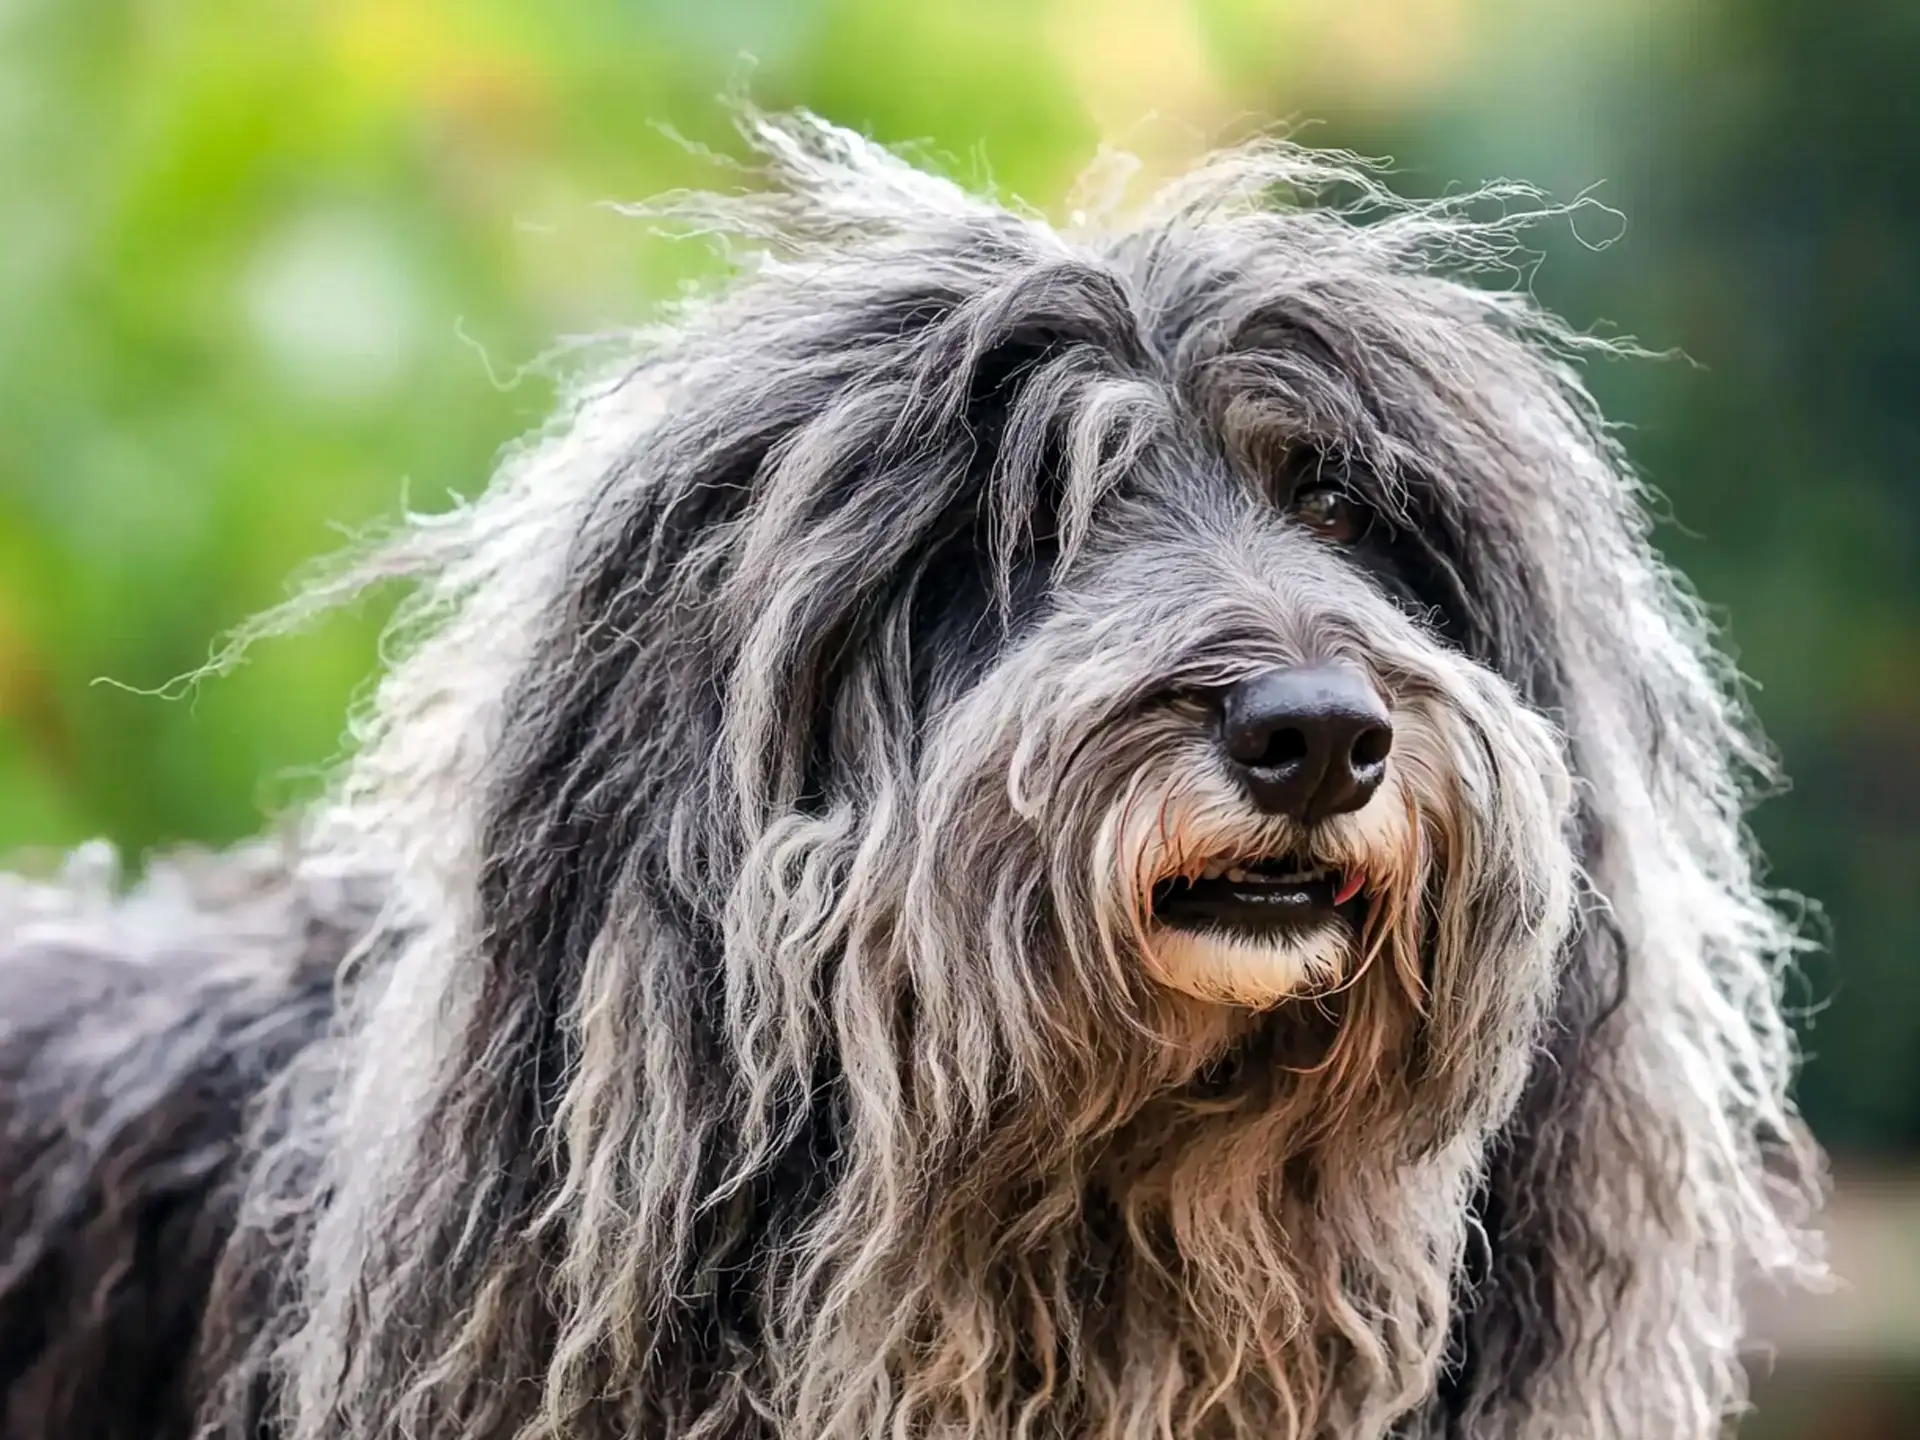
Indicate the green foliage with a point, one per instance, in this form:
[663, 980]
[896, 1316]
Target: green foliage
[267, 266]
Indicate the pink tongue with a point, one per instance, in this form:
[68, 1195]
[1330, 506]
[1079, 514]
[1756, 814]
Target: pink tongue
[1350, 887]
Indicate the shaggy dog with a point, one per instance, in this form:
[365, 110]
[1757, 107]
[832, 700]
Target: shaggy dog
[1003, 834]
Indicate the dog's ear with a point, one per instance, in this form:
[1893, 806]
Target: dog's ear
[817, 440]
[1531, 1236]
[1655, 1167]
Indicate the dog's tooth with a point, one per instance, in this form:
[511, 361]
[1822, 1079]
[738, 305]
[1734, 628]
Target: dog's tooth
[1213, 870]
[1237, 875]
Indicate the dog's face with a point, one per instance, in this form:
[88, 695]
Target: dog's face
[1234, 730]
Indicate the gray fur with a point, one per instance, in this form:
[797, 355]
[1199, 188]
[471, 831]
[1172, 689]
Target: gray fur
[751, 1022]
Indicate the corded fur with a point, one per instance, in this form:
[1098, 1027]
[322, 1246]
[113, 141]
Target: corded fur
[747, 1018]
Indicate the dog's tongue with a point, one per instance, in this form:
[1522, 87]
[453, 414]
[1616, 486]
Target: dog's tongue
[1350, 886]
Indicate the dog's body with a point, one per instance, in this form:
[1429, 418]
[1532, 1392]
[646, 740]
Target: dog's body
[1005, 836]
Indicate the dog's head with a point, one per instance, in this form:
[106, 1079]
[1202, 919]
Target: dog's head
[1070, 655]
[1078, 654]
[999, 817]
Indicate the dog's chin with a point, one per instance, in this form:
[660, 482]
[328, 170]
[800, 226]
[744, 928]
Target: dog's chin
[1251, 969]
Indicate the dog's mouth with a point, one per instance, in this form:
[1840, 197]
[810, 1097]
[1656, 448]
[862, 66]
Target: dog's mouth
[1265, 898]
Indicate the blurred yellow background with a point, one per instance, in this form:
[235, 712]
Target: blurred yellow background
[265, 267]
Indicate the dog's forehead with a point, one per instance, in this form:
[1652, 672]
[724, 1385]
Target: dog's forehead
[1286, 344]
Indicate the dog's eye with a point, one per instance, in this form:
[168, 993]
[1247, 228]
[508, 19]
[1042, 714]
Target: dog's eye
[1329, 513]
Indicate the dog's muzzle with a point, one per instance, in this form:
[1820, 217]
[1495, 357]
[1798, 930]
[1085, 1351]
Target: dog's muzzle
[1305, 744]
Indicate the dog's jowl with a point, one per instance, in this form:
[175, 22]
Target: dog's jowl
[1003, 833]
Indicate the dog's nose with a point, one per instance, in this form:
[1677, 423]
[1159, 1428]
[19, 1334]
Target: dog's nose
[1307, 741]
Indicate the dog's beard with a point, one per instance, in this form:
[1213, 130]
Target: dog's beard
[1232, 968]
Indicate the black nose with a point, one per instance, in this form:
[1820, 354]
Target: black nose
[1307, 742]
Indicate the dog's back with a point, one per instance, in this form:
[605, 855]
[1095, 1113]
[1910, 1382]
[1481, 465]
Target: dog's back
[134, 1033]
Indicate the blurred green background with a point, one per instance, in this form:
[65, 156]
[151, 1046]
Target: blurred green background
[266, 265]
